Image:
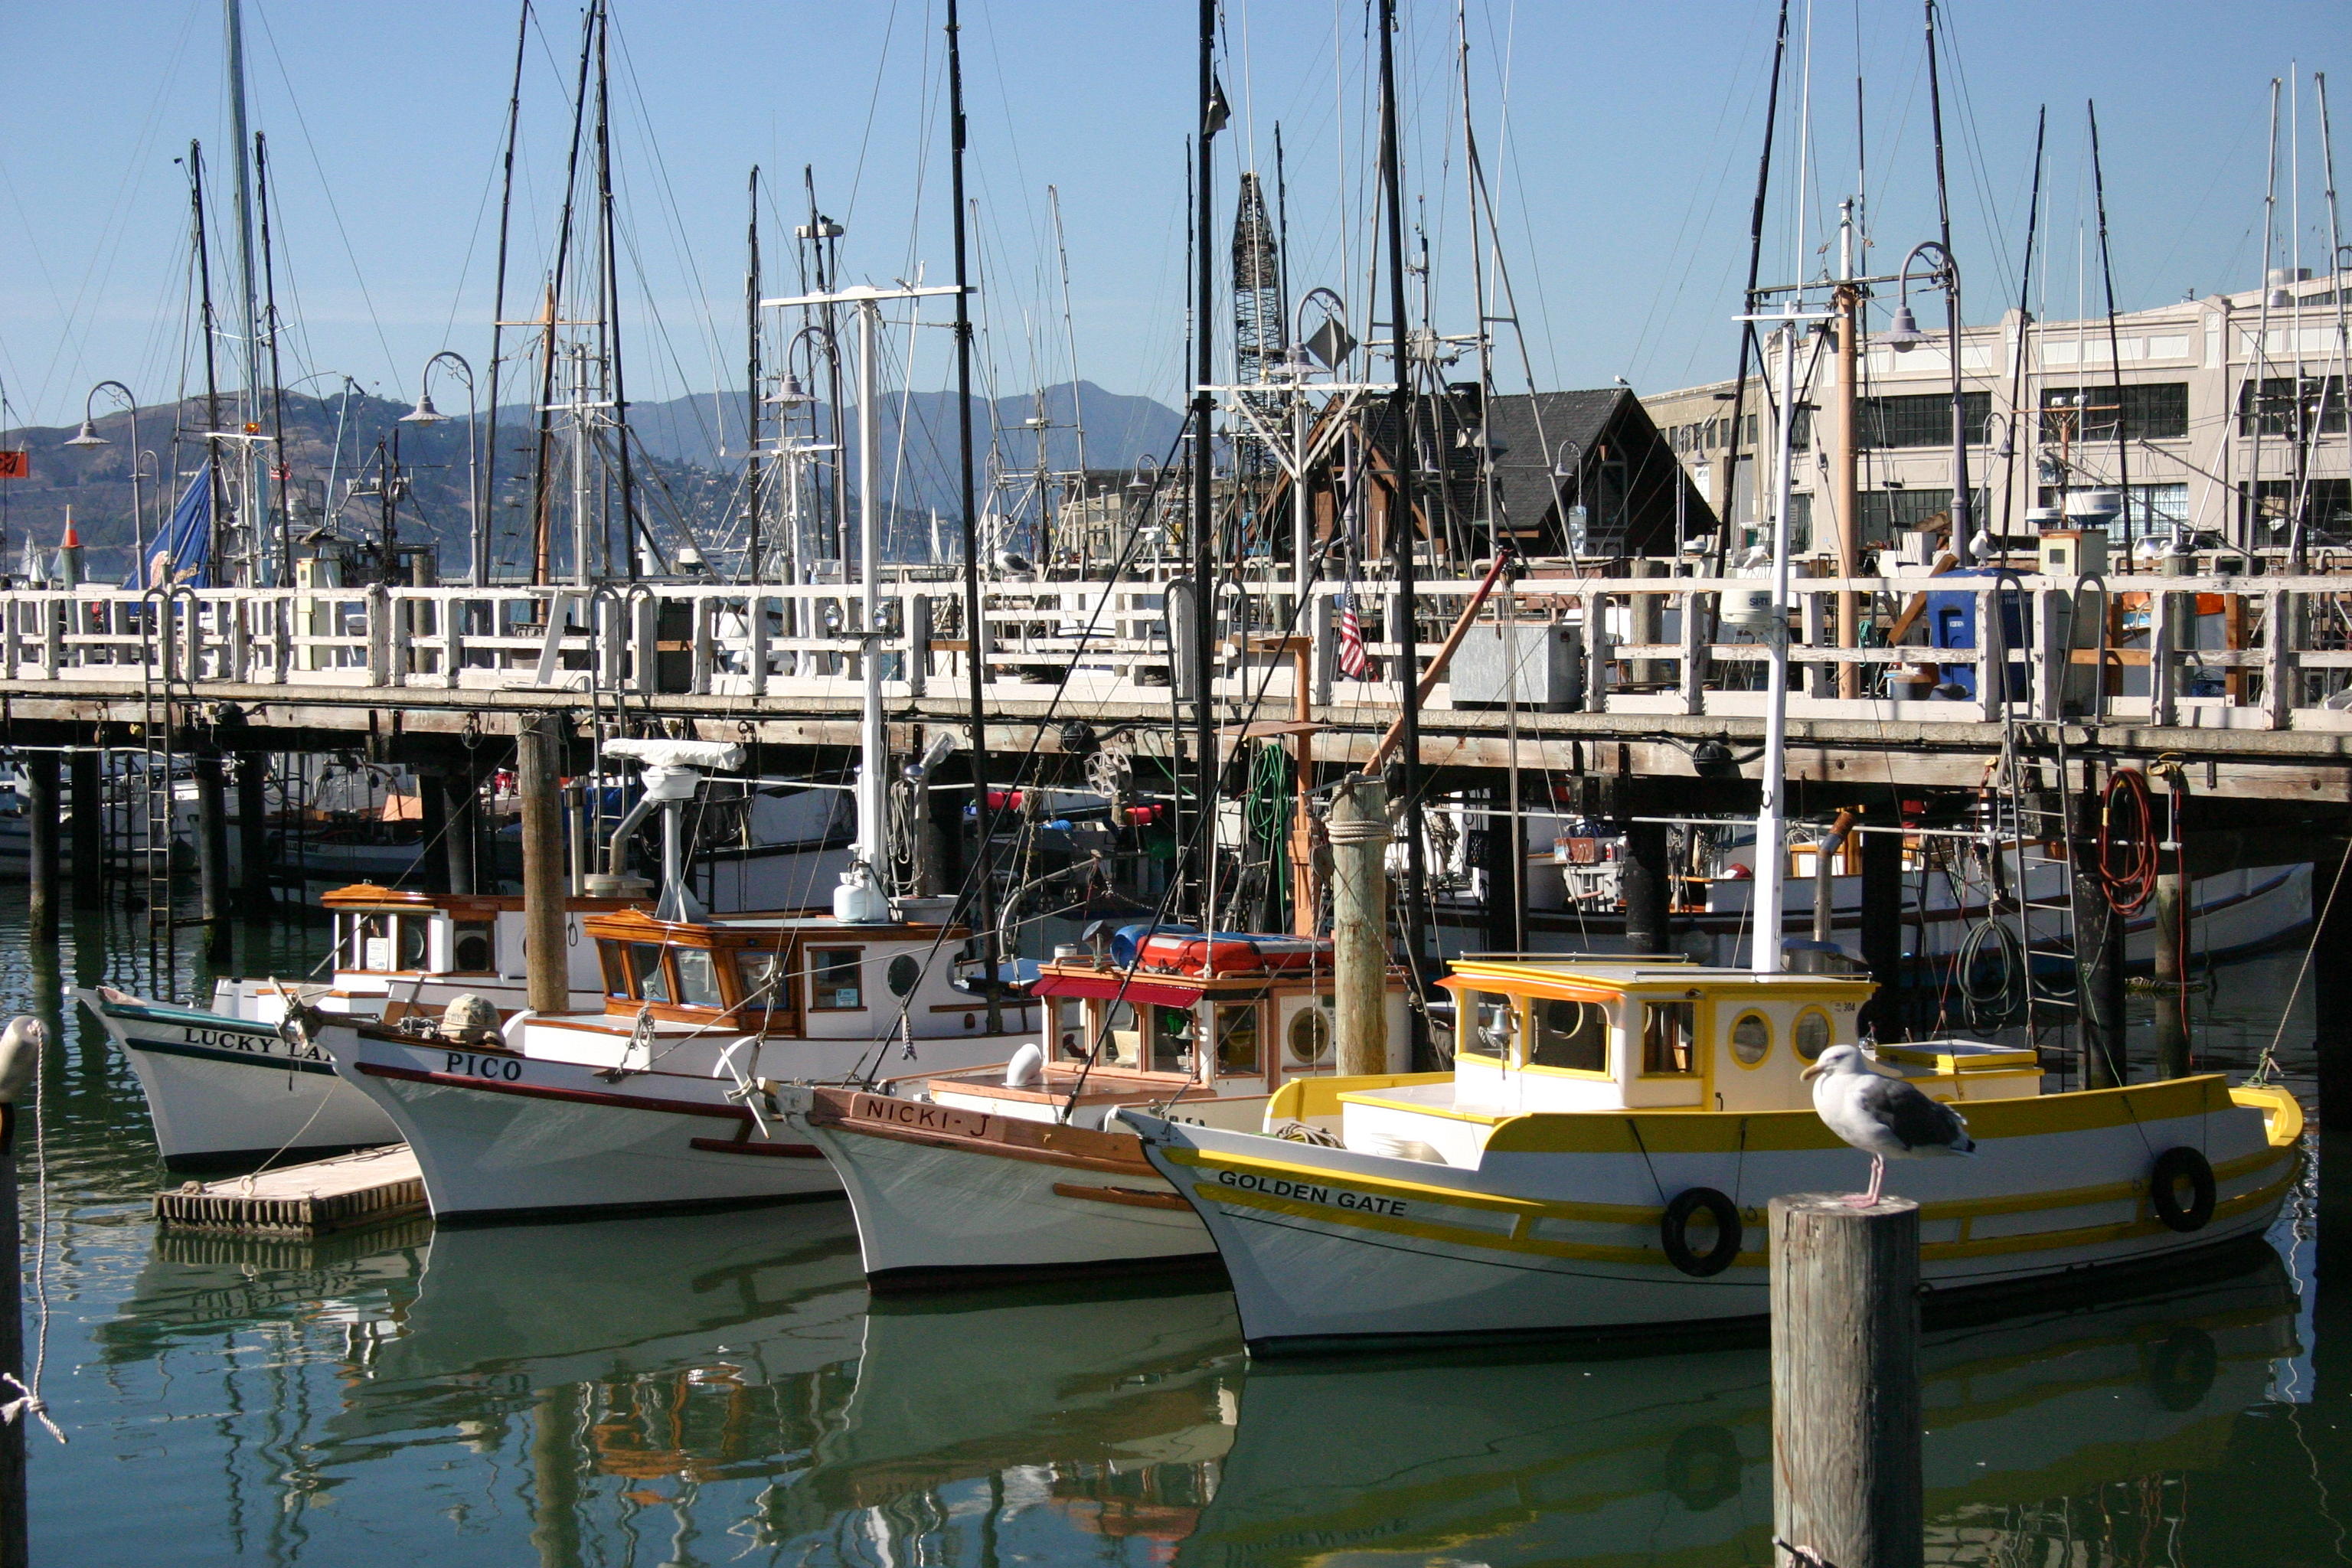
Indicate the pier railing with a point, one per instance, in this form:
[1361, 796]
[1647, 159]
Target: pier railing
[2217, 652]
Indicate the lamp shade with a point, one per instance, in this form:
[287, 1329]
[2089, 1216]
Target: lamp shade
[87, 436]
[1902, 334]
[423, 413]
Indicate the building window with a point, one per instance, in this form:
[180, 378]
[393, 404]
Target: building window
[2151, 411]
[1571, 1035]
[1924, 420]
[1886, 513]
[1668, 1031]
[2275, 410]
[1237, 1038]
[2327, 518]
[834, 979]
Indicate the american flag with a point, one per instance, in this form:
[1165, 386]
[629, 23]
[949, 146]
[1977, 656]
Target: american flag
[1352, 662]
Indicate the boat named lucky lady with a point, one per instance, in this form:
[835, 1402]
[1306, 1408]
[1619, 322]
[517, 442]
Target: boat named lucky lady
[1599, 1159]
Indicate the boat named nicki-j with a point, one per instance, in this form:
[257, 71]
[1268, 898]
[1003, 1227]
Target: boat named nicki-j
[1599, 1158]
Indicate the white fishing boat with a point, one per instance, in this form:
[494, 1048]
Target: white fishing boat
[1015, 1168]
[246, 1080]
[1599, 1160]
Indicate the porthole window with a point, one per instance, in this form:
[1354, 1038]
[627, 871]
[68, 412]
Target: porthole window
[1813, 1035]
[904, 972]
[1751, 1039]
[1311, 1037]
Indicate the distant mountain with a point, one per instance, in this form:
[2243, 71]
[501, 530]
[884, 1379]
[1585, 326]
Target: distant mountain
[695, 445]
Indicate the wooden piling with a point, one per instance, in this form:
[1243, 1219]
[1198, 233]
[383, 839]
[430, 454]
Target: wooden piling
[2171, 978]
[86, 822]
[538, 750]
[431, 873]
[1647, 880]
[1845, 1381]
[2098, 932]
[254, 897]
[462, 801]
[1358, 831]
[1882, 925]
[13, 1551]
[41, 814]
[212, 893]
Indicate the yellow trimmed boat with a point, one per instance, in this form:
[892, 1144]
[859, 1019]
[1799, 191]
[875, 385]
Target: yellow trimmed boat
[1599, 1160]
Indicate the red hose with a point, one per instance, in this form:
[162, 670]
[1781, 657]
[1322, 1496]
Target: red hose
[2127, 859]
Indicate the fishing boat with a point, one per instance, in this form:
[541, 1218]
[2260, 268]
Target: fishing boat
[1015, 1168]
[1599, 1158]
[246, 1079]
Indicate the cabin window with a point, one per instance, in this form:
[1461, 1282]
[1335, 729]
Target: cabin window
[1668, 1031]
[1571, 1034]
[1751, 1039]
[374, 945]
[1311, 1037]
[647, 981]
[1171, 1039]
[906, 972]
[834, 979]
[616, 973]
[473, 947]
[412, 932]
[1489, 1024]
[1237, 1038]
[1813, 1033]
[698, 977]
[1126, 1035]
[760, 974]
[1070, 1028]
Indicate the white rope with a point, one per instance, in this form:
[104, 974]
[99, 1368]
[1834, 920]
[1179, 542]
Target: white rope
[28, 1400]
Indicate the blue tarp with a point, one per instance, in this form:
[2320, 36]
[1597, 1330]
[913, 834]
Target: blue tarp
[183, 552]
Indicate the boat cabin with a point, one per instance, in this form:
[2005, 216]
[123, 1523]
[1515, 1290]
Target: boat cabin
[796, 974]
[1228, 1038]
[1537, 1036]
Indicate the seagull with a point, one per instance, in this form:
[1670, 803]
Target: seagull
[1882, 1115]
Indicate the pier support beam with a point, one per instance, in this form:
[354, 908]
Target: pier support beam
[1846, 1483]
[2331, 991]
[538, 766]
[256, 900]
[41, 814]
[432, 872]
[1646, 880]
[461, 795]
[1502, 863]
[2098, 955]
[212, 851]
[1882, 926]
[2171, 975]
[88, 829]
[1358, 831]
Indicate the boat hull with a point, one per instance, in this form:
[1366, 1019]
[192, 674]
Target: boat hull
[950, 1196]
[1330, 1247]
[225, 1091]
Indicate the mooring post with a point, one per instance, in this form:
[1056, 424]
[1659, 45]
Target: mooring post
[1845, 1382]
[1646, 879]
[538, 749]
[212, 838]
[1358, 832]
[2331, 986]
[256, 899]
[41, 812]
[87, 824]
[2171, 978]
[462, 814]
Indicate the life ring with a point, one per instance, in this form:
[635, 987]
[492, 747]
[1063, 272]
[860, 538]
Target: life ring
[2173, 1166]
[2179, 1368]
[1673, 1232]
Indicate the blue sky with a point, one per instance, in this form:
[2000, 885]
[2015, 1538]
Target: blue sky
[1620, 141]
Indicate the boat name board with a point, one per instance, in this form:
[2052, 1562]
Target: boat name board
[918, 1114]
[466, 1064]
[253, 1045]
[1310, 1193]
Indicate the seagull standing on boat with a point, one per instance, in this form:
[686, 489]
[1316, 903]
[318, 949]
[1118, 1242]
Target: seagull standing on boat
[1885, 1117]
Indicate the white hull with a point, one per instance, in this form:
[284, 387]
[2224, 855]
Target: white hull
[227, 1091]
[507, 1136]
[1330, 1246]
[926, 1211]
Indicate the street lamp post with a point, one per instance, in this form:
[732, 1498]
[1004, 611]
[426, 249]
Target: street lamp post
[1903, 336]
[87, 436]
[425, 414]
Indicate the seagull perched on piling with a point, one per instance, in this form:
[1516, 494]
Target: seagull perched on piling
[1882, 1115]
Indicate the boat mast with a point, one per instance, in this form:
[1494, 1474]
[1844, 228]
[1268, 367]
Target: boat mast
[1401, 456]
[1771, 855]
[975, 632]
[1203, 524]
[752, 393]
[249, 301]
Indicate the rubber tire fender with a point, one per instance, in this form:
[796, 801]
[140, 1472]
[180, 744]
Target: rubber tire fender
[2173, 1166]
[1673, 1232]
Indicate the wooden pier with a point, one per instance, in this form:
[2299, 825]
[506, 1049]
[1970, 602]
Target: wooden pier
[349, 1190]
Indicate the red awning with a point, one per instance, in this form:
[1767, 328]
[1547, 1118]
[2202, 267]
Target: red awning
[1109, 984]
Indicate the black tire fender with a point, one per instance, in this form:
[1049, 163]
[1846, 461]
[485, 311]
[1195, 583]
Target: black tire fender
[2174, 1167]
[1673, 1232]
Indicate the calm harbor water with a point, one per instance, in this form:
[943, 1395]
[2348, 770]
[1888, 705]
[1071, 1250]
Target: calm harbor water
[719, 1390]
